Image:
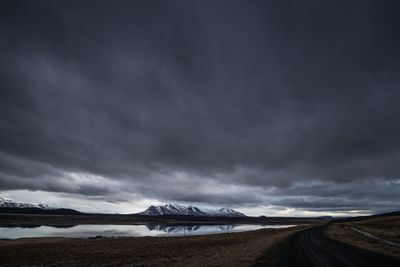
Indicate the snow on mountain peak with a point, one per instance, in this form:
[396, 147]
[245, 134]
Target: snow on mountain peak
[10, 203]
[176, 209]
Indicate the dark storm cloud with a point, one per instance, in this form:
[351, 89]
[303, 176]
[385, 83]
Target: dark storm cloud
[247, 93]
[372, 195]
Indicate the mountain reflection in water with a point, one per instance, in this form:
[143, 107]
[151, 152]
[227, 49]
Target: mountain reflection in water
[91, 230]
[189, 228]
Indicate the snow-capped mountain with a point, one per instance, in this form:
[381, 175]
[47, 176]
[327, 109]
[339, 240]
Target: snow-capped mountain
[175, 209]
[10, 203]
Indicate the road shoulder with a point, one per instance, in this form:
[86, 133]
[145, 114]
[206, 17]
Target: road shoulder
[345, 233]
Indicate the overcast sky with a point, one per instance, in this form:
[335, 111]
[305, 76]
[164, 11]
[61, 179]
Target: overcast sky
[269, 107]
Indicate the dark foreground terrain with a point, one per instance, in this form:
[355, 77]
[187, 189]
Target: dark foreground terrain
[310, 247]
[235, 249]
[379, 234]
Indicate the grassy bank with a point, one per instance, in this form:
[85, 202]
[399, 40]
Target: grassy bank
[384, 228]
[234, 249]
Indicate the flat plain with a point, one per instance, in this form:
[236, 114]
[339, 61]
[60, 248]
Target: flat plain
[234, 249]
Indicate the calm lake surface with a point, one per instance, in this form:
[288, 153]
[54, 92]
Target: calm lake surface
[91, 230]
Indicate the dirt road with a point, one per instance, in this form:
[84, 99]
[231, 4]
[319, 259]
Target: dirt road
[311, 248]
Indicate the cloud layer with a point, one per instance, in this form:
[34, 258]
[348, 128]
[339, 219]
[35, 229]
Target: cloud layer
[240, 103]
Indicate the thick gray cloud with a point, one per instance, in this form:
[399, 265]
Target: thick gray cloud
[200, 101]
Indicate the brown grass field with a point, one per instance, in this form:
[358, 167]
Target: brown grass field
[387, 228]
[233, 249]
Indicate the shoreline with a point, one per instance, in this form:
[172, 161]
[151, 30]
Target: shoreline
[97, 231]
[20, 219]
[225, 249]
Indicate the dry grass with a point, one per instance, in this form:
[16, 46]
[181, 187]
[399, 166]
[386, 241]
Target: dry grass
[387, 228]
[235, 249]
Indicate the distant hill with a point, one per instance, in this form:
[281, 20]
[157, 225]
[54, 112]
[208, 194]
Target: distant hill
[392, 213]
[8, 205]
[175, 209]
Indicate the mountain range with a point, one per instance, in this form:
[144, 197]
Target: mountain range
[176, 209]
[7, 204]
[10, 203]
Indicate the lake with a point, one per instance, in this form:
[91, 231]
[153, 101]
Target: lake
[91, 230]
